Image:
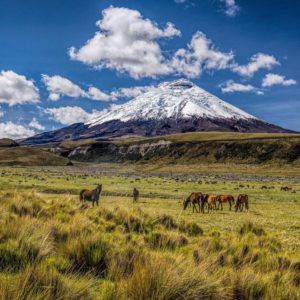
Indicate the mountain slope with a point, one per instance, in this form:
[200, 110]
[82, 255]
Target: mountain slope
[171, 107]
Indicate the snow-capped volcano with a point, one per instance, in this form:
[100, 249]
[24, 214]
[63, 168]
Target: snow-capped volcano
[180, 99]
[171, 107]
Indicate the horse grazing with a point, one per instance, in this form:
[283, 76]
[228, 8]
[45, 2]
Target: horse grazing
[194, 199]
[224, 198]
[211, 202]
[242, 200]
[93, 195]
[136, 195]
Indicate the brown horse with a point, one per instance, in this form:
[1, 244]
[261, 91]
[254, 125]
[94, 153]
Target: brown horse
[242, 200]
[225, 198]
[93, 195]
[136, 195]
[211, 202]
[286, 188]
[194, 199]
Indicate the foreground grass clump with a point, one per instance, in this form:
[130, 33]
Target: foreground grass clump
[167, 278]
[52, 247]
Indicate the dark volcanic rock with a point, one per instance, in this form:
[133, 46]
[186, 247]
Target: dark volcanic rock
[150, 128]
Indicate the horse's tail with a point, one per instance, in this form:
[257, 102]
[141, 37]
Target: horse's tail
[247, 202]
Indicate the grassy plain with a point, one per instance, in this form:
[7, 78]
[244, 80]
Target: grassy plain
[51, 247]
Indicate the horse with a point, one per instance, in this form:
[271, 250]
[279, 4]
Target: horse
[136, 194]
[93, 195]
[242, 200]
[194, 199]
[211, 202]
[225, 198]
[286, 188]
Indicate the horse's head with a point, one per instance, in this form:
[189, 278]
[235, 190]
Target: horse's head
[99, 187]
[186, 203]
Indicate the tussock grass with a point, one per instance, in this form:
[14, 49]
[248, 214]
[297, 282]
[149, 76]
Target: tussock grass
[166, 278]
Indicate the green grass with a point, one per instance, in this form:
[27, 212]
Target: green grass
[51, 247]
[209, 136]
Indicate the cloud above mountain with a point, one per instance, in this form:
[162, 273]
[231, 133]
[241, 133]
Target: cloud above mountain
[257, 62]
[59, 86]
[14, 131]
[126, 42]
[230, 87]
[17, 89]
[200, 55]
[36, 125]
[71, 114]
[276, 79]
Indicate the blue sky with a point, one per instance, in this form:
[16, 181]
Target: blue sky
[63, 61]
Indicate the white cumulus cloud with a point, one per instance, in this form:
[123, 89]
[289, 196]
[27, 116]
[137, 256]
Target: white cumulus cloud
[275, 79]
[231, 7]
[35, 124]
[200, 55]
[231, 87]
[131, 92]
[14, 131]
[71, 114]
[59, 86]
[96, 94]
[126, 42]
[17, 89]
[257, 62]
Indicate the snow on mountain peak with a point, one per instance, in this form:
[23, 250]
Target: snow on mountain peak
[179, 99]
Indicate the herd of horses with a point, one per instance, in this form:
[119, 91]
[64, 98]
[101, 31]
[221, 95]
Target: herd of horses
[215, 202]
[212, 202]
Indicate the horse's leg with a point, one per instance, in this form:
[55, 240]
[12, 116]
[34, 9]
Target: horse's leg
[229, 204]
[221, 205]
